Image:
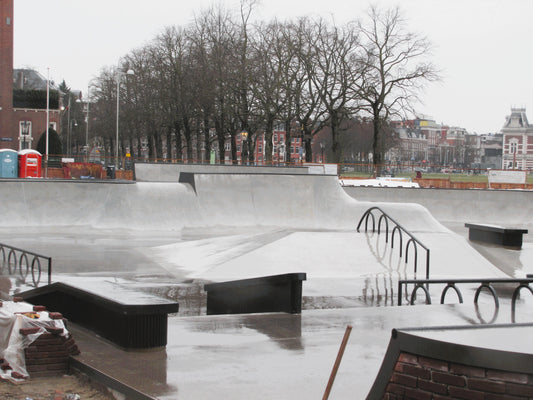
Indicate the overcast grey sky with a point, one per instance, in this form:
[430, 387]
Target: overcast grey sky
[483, 47]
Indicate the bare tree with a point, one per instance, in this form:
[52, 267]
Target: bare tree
[219, 29]
[395, 71]
[270, 85]
[336, 67]
[303, 102]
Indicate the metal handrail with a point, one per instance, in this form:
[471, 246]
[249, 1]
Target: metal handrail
[17, 258]
[397, 229]
[451, 284]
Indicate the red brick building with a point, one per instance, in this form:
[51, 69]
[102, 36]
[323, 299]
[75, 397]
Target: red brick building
[282, 152]
[20, 128]
[517, 141]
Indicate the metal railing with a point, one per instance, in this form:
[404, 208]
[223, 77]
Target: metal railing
[398, 229]
[15, 259]
[452, 284]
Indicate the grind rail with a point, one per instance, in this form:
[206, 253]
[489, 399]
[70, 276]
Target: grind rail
[14, 258]
[451, 284]
[398, 229]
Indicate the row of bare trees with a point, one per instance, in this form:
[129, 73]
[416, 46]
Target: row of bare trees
[195, 88]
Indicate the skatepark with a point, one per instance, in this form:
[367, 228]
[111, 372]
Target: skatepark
[171, 232]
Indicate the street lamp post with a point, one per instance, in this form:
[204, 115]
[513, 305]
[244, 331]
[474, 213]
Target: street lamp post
[87, 133]
[47, 122]
[118, 76]
[69, 141]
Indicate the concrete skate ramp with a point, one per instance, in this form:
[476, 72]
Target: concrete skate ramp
[501, 207]
[240, 200]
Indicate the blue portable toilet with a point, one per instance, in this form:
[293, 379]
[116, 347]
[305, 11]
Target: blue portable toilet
[8, 163]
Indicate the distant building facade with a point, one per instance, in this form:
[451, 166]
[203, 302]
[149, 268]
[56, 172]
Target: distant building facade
[20, 126]
[517, 141]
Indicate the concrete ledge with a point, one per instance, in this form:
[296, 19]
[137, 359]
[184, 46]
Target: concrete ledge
[276, 293]
[493, 234]
[136, 325]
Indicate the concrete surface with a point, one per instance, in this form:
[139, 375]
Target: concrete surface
[273, 356]
[452, 206]
[169, 239]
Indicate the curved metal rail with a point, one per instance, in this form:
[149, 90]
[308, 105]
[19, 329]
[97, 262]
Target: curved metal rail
[13, 259]
[399, 230]
[451, 284]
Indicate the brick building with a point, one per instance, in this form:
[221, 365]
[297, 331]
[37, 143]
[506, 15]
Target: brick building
[282, 152]
[517, 141]
[21, 126]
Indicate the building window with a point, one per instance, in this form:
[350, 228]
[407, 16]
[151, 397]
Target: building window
[513, 147]
[8, 20]
[275, 137]
[25, 137]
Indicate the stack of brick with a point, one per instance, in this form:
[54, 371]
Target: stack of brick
[424, 378]
[49, 354]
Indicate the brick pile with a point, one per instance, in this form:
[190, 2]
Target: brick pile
[49, 354]
[416, 377]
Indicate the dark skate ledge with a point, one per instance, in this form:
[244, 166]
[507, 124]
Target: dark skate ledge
[130, 320]
[276, 293]
[507, 237]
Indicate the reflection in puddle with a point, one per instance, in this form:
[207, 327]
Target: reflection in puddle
[284, 329]
[380, 289]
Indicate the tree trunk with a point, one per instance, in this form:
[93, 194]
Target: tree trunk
[335, 148]
[376, 145]
[188, 138]
[207, 140]
[269, 128]
[221, 149]
[169, 143]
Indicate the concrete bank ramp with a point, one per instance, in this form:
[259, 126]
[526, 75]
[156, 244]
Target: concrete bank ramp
[500, 207]
[206, 200]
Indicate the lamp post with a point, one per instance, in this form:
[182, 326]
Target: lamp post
[119, 75]
[87, 130]
[47, 122]
[68, 125]
[71, 123]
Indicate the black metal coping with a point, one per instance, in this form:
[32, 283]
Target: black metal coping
[495, 228]
[494, 234]
[275, 293]
[418, 341]
[137, 325]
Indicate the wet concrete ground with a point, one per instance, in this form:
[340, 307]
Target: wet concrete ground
[352, 280]
[249, 356]
[270, 356]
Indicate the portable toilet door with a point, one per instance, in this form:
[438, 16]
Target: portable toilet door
[8, 163]
[29, 164]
